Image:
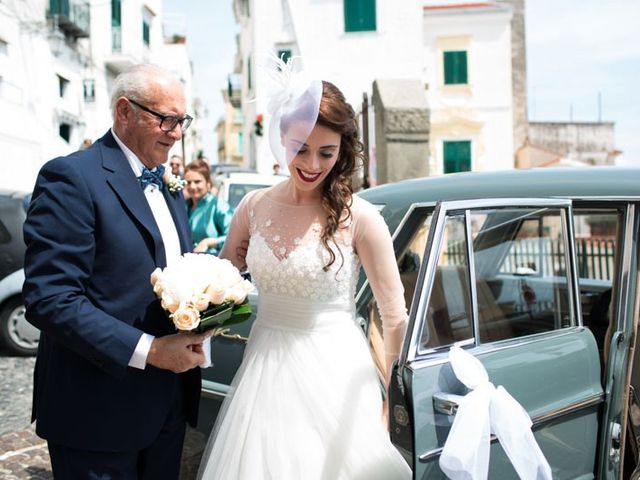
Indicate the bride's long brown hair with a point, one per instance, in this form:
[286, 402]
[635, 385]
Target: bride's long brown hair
[337, 191]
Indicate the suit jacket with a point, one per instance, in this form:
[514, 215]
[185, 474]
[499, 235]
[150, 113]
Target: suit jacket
[92, 243]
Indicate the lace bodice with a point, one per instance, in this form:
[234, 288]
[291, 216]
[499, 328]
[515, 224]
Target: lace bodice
[286, 256]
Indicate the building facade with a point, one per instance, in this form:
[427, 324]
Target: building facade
[58, 61]
[460, 51]
[467, 52]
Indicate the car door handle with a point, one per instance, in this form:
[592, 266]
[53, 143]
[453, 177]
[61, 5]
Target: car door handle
[446, 403]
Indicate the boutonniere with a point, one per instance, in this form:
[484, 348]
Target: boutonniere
[173, 183]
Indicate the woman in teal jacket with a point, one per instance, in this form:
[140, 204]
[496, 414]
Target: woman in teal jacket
[209, 217]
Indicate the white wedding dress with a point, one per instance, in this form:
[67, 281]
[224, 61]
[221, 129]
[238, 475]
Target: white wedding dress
[306, 402]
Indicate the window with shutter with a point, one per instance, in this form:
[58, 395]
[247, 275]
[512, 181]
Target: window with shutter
[457, 156]
[359, 15]
[455, 67]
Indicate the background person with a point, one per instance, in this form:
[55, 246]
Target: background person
[114, 383]
[209, 216]
[175, 164]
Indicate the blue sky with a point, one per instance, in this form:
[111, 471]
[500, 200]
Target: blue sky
[577, 50]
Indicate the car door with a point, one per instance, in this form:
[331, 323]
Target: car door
[497, 277]
[227, 350]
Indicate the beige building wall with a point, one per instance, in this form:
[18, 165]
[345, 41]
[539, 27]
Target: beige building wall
[230, 134]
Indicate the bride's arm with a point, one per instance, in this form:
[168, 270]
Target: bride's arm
[374, 247]
[235, 245]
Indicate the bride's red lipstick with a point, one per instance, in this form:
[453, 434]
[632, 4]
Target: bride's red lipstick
[307, 178]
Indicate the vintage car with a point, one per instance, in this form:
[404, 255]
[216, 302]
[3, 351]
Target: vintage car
[16, 334]
[533, 272]
[233, 186]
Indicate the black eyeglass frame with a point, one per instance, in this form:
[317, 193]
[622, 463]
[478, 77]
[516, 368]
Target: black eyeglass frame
[172, 119]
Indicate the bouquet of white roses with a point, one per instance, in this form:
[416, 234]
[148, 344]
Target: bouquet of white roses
[201, 292]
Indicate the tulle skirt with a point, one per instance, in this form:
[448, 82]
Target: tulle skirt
[305, 403]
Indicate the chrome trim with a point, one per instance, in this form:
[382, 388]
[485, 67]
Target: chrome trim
[427, 271]
[446, 403]
[213, 390]
[537, 421]
[473, 285]
[428, 358]
[570, 256]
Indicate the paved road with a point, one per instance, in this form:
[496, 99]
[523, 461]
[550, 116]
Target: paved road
[23, 455]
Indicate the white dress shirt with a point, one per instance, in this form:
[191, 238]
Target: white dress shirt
[169, 234]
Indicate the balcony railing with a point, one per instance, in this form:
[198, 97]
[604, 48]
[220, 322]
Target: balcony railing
[234, 87]
[72, 17]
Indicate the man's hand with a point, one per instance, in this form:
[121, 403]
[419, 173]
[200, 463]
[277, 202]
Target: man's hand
[179, 352]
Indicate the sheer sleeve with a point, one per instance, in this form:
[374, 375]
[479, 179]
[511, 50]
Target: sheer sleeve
[239, 232]
[375, 249]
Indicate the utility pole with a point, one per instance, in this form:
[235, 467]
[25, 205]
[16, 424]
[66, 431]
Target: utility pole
[365, 140]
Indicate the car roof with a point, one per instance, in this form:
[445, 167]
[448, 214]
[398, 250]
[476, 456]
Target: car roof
[252, 178]
[567, 182]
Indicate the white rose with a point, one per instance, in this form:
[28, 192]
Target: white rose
[186, 318]
[237, 293]
[200, 301]
[169, 302]
[155, 276]
[158, 288]
[215, 294]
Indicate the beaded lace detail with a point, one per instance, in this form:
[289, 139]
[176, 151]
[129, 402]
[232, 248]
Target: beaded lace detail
[286, 255]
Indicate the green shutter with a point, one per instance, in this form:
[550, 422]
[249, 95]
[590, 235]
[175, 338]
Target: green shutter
[116, 13]
[359, 15]
[146, 33]
[455, 67]
[457, 156]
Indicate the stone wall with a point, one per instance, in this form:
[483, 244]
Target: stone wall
[402, 130]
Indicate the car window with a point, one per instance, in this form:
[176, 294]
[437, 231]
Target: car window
[521, 279]
[597, 232]
[449, 317]
[238, 190]
[519, 275]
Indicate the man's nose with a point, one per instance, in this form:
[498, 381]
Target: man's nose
[176, 132]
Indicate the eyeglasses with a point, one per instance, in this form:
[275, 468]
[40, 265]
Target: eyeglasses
[167, 122]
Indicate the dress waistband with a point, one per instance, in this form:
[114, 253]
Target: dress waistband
[303, 314]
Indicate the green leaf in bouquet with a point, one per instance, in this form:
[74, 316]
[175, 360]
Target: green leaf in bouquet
[223, 315]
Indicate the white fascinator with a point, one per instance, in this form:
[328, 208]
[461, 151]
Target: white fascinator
[293, 106]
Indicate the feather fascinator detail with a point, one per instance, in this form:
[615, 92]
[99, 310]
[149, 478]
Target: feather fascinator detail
[292, 107]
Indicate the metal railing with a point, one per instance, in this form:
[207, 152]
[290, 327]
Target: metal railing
[546, 256]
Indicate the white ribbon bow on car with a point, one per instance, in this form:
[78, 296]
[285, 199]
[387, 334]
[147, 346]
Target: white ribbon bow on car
[485, 410]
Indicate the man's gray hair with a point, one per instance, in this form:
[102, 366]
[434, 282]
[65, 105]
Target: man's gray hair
[135, 82]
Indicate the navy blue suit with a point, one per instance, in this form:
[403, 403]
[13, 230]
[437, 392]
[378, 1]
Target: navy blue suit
[92, 243]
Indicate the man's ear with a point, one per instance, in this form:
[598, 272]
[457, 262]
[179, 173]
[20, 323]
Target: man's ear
[123, 111]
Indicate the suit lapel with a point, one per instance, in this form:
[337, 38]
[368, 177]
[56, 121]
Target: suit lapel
[120, 177]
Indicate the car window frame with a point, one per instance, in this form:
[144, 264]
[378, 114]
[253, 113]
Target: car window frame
[411, 352]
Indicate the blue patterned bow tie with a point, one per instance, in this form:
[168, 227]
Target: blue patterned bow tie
[152, 176]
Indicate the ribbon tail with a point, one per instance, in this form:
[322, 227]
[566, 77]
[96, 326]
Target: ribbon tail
[465, 455]
[512, 425]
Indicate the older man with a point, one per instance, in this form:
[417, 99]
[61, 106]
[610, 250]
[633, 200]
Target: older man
[114, 383]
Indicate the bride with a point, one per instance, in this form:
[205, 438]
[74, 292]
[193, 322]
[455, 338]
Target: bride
[306, 402]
